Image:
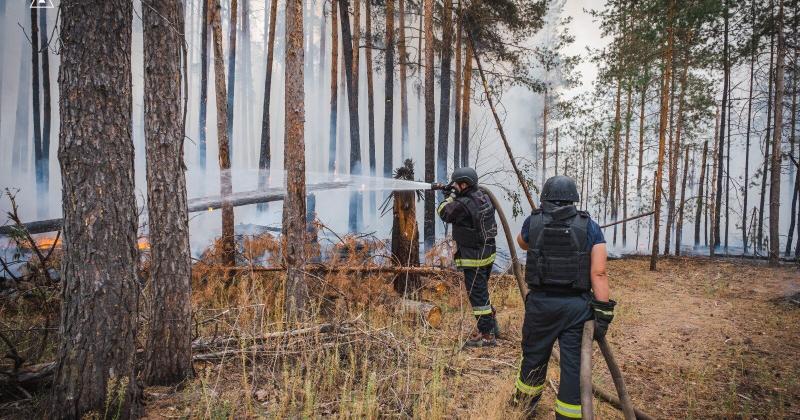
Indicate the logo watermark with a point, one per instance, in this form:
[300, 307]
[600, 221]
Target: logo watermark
[42, 4]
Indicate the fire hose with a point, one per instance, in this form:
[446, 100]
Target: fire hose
[624, 402]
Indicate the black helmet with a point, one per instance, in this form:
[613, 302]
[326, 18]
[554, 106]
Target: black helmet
[560, 188]
[466, 175]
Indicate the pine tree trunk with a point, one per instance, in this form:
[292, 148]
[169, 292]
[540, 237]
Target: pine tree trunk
[720, 148]
[265, 151]
[169, 343]
[712, 202]
[352, 105]
[775, 175]
[370, 91]
[430, 119]
[466, 95]
[792, 143]
[605, 185]
[457, 85]
[675, 158]
[765, 168]
[43, 161]
[682, 204]
[700, 195]
[388, 115]
[231, 88]
[405, 232]
[294, 160]
[356, 47]
[615, 161]
[747, 181]
[642, 100]
[227, 240]
[95, 360]
[662, 134]
[444, 95]
[334, 86]
[203, 83]
[37, 107]
[626, 165]
[401, 45]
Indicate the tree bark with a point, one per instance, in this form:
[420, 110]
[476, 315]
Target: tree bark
[206, 19]
[401, 45]
[405, 233]
[352, 105]
[625, 165]
[388, 110]
[265, 152]
[430, 120]
[675, 158]
[168, 357]
[294, 206]
[775, 175]
[642, 101]
[334, 86]
[754, 39]
[36, 96]
[700, 195]
[227, 239]
[43, 160]
[682, 204]
[792, 143]
[765, 169]
[370, 91]
[466, 96]
[96, 367]
[457, 85]
[444, 94]
[615, 161]
[667, 59]
[232, 33]
[712, 202]
[720, 150]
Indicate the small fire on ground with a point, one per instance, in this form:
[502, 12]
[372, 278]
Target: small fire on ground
[48, 242]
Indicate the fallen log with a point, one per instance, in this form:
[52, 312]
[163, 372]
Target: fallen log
[429, 313]
[195, 205]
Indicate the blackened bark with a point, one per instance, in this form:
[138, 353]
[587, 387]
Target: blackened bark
[226, 183]
[205, 22]
[265, 153]
[765, 169]
[294, 210]
[700, 195]
[775, 174]
[405, 232]
[370, 89]
[429, 227]
[388, 104]
[403, 61]
[720, 150]
[352, 105]
[444, 96]
[35, 93]
[43, 160]
[95, 362]
[169, 344]
[457, 86]
[682, 204]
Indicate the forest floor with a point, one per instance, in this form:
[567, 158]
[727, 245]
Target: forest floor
[699, 338]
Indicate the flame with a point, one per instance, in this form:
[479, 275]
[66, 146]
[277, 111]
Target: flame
[143, 244]
[48, 242]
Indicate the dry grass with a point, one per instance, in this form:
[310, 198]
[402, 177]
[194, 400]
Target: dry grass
[698, 339]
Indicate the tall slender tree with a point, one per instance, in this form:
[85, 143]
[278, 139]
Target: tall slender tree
[227, 240]
[231, 88]
[294, 210]
[352, 104]
[334, 86]
[370, 89]
[457, 97]
[444, 94]
[168, 357]
[700, 195]
[755, 42]
[720, 149]
[775, 174]
[265, 151]
[466, 97]
[43, 160]
[388, 104]
[429, 227]
[96, 356]
[403, 61]
[203, 112]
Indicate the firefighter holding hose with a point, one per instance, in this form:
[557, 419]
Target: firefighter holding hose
[566, 274]
[471, 213]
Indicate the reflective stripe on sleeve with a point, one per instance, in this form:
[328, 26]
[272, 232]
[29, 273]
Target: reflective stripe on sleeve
[465, 262]
[532, 390]
[572, 411]
[442, 204]
[482, 310]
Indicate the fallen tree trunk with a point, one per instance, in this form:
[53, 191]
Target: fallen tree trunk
[195, 205]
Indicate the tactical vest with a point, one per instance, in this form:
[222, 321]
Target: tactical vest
[481, 229]
[558, 259]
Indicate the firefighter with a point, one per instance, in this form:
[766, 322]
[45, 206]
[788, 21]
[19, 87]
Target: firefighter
[566, 274]
[474, 229]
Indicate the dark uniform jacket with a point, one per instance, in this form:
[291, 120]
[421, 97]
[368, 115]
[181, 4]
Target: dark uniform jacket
[474, 227]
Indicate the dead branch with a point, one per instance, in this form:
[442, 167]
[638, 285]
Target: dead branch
[14, 216]
[638, 216]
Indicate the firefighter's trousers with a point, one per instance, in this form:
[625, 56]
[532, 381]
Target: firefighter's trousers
[551, 316]
[476, 280]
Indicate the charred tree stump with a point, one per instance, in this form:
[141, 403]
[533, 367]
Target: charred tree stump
[405, 233]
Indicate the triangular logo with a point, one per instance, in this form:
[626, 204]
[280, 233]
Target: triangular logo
[42, 4]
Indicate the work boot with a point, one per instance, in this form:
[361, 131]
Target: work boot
[479, 339]
[496, 328]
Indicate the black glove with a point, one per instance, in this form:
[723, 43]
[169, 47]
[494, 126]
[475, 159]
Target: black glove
[603, 315]
[448, 190]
